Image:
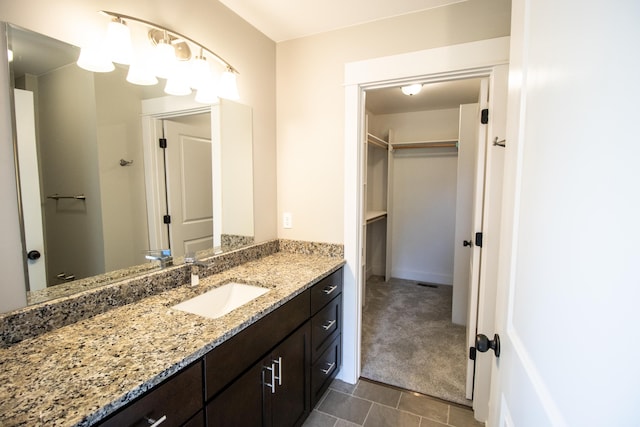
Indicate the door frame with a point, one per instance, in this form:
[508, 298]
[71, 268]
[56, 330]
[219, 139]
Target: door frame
[461, 61]
[153, 112]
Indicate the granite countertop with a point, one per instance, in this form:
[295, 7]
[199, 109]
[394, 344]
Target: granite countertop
[78, 374]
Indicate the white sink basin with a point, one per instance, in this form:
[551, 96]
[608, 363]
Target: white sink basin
[220, 301]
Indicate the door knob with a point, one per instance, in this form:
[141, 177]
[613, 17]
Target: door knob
[483, 344]
[467, 243]
[33, 255]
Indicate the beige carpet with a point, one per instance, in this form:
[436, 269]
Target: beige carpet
[408, 339]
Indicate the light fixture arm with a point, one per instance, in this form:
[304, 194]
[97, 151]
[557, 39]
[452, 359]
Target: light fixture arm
[174, 33]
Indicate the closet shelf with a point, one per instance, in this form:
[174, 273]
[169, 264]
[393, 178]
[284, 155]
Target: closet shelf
[443, 143]
[373, 216]
[378, 142]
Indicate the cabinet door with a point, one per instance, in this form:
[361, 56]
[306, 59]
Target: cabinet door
[290, 402]
[241, 403]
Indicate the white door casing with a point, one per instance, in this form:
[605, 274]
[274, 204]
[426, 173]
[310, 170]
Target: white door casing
[153, 111]
[491, 222]
[474, 59]
[476, 227]
[568, 293]
[31, 198]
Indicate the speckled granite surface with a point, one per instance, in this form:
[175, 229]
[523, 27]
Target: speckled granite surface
[79, 373]
[37, 319]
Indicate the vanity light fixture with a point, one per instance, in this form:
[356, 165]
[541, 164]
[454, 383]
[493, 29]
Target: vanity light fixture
[163, 54]
[10, 55]
[413, 89]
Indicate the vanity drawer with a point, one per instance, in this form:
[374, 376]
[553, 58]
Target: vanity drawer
[324, 324]
[178, 399]
[324, 370]
[326, 290]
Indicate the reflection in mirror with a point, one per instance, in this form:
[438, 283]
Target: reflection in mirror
[93, 201]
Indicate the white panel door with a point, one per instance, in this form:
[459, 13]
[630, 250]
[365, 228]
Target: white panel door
[189, 183]
[467, 151]
[568, 276]
[30, 187]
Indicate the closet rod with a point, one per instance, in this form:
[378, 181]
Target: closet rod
[448, 144]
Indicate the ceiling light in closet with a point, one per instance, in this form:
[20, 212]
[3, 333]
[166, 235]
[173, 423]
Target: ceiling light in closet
[413, 89]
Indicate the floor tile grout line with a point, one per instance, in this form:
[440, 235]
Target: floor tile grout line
[367, 416]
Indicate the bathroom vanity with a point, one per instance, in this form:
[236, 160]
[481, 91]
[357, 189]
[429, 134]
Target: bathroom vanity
[265, 363]
[270, 374]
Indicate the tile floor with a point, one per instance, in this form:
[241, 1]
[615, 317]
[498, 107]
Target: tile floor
[372, 404]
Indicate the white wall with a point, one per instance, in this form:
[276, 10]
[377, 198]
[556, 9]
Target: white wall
[119, 136]
[237, 199]
[310, 110]
[209, 22]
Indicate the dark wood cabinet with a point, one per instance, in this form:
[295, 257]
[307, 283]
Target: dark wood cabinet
[326, 330]
[269, 375]
[274, 392]
[174, 401]
[289, 399]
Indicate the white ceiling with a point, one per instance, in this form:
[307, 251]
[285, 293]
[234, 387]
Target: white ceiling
[282, 20]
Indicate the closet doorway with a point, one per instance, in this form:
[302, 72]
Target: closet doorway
[419, 183]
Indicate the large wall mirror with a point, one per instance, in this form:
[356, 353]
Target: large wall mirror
[97, 190]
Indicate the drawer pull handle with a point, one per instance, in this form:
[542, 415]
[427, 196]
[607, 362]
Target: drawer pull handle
[329, 289]
[328, 325]
[155, 423]
[272, 386]
[279, 376]
[329, 369]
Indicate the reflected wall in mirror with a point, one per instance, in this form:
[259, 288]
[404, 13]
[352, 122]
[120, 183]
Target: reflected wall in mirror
[94, 189]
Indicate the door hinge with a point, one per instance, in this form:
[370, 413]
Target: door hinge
[162, 142]
[166, 219]
[472, 353]
[479, 239]
[484, 116]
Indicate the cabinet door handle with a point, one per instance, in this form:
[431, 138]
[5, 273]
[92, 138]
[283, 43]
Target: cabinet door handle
[328, 325]
[155, 423]
[329, 289]
[326, 371]
[272, 386]
[279, 376]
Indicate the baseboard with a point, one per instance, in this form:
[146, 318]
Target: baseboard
[423, 276]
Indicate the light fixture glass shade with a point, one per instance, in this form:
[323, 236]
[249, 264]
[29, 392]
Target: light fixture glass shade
[413, 89]
[119, 42]
[10, 54]
[207, 94]
[228, 86]
[165, 59]
[178, 81]
[200, 72]
[140, 73]
[93, 58]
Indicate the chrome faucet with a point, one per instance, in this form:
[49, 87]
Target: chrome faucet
[162, 255]
[194, 267]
